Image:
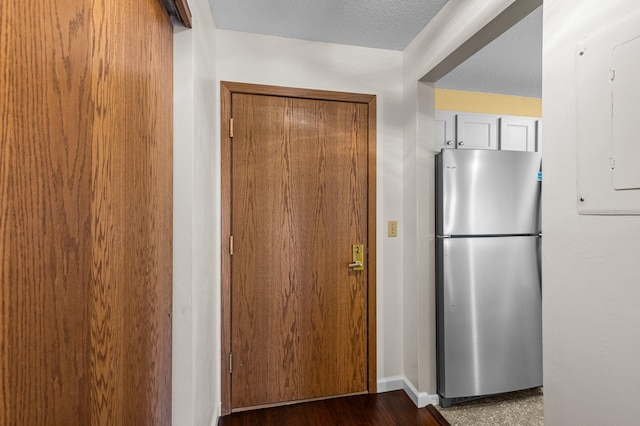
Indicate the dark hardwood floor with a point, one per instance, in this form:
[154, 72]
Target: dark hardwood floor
[382, 409]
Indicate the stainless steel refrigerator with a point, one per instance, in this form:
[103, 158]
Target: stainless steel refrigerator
[488, 278]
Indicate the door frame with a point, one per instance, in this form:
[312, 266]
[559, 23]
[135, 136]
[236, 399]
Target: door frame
[226, 91]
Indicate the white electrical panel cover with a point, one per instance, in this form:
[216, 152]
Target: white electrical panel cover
[625, 115]
[608, 119]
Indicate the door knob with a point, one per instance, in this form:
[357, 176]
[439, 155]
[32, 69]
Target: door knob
[357, 263]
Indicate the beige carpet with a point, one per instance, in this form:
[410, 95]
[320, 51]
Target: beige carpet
[522, 408]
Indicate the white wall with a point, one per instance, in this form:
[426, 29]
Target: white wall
[405, 138]
[258, 59]
[591, 272]
[196, 269]
[456, 23]
[182, 353]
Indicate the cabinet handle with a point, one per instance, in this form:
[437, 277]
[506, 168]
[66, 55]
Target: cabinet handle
[449, 142]
[461, 143]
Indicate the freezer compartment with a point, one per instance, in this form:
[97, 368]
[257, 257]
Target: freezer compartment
[484, 192]
[489, 315]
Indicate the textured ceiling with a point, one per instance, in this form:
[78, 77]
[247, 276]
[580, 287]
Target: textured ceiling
[511, 64]
[384, 24]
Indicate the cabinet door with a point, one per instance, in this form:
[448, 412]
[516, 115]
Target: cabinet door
[518, 134]
[477, 131]
[490, 315]
[445, 137]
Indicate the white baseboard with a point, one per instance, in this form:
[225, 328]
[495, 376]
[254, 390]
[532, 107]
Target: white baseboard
[421, 399]
[389, 384]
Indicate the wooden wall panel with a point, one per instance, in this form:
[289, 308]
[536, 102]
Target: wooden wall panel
[132, 214]
[148, 165]
[85, 212]
[44, 213]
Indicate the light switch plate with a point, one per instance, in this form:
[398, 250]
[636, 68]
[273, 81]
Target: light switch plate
[392, 230]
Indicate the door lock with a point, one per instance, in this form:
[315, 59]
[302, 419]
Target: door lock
[358, 257]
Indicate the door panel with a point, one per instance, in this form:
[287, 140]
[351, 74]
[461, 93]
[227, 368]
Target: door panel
[518, 134]
[490, 312]
[299, 203]
[625, 111]
[85, 213]
[488, 192]
[477, 131]
[444, 122]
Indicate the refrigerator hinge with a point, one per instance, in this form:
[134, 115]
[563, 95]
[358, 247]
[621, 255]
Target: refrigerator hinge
[612, 163]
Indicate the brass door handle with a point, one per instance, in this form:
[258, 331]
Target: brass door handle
[358, 257]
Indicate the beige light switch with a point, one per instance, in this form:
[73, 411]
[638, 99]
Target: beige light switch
[392, 229]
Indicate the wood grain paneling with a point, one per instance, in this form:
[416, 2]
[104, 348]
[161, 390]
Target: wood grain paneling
[45, 241]
[299, 203]
[85, 212]
[131, 211]
[302, 186]
[225, 261]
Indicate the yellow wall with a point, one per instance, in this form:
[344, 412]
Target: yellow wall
[487, 103]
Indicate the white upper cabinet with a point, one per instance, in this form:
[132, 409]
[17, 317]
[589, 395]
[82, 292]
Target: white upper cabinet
[445, 136]
[486, 131]
[518, 134]
[477, 131]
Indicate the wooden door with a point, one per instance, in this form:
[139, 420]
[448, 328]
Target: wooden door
[299, 202]
[85, 213]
